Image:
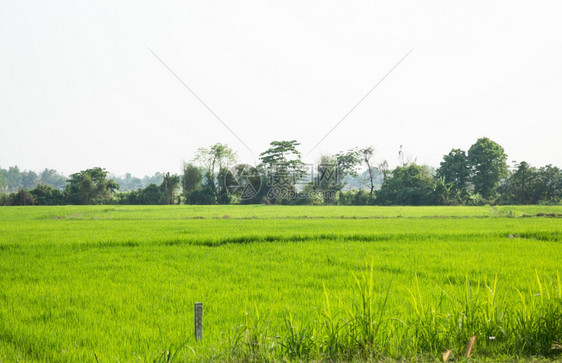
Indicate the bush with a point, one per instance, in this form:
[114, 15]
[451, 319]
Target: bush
[203, 196]
[23, 197]
[47, 195]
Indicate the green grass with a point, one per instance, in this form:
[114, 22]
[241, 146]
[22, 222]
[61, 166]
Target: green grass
[119, 282]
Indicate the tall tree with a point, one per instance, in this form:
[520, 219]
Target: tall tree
[367, 154]
[455, 170]
[191, 180]
[14, 179]
[383, 167]
[328, 181]
[333, 170]
[487, 161]
[520, 187]
[52, 178]
[214, 159]
[549, 184]
[29, 179]
[3, 185]
[168, 188]
[348, 162]
[283, 168]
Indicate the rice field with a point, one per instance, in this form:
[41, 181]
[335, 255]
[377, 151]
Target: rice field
[118, 283]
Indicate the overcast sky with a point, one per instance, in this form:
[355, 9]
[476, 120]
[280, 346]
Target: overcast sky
[79, 88]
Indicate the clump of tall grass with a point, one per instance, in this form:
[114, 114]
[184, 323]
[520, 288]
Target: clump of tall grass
[368, 329]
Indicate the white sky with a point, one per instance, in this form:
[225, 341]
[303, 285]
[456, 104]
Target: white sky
[78, 87]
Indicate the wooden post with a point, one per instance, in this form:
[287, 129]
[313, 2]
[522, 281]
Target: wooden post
[198, 321]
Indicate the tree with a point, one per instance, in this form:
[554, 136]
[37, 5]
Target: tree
[282, 167]
[129, 182]
[23, 197]
[383, 167]
[225, 178]
[90, 186]
[151, 195]
[3, 184]
[455, 170]
[328, 181]
[245, 184]
[29, 179]
[53, 178]
[441, 192]
[45, 194]
[487, 161]
[191, 180]
[519, 187]
[214, 159]
[204, 196]
[347, 163]
[157, 179]
[407, 185]
[169, 185]
[367, 154]
[14, 179]
[549, 184]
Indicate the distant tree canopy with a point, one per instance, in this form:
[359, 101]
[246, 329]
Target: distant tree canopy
[487, 161]
[45, 194]
[407, 185]
[282, 167]
[90, 186]
[352, 177]
[13, 179]
[215, 161]
[455, 171]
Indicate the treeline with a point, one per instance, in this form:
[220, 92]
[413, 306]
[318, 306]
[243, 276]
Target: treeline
[353, 177]
[13, 180]
[91, 186]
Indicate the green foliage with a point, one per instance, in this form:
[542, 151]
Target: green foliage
[214, 159]
[549, 185]
[151, 195]
[455, 171]
[246, 184]
[129, 182]
[53, 178]
[90, 186]
[407, 185]
[3, 186]
[281, 167]
[170, 184]
[191, 180]
[29, 179]
[328, 180]
[348, 162]
[367, 155]
[14, 179]
[529, 185]
[23, 197]
[224, 179]
[487, 161]
[204, 196]
[478, 178]
[357, 197]
[45, 194]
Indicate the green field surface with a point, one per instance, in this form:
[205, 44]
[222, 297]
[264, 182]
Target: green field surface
[118, 283]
